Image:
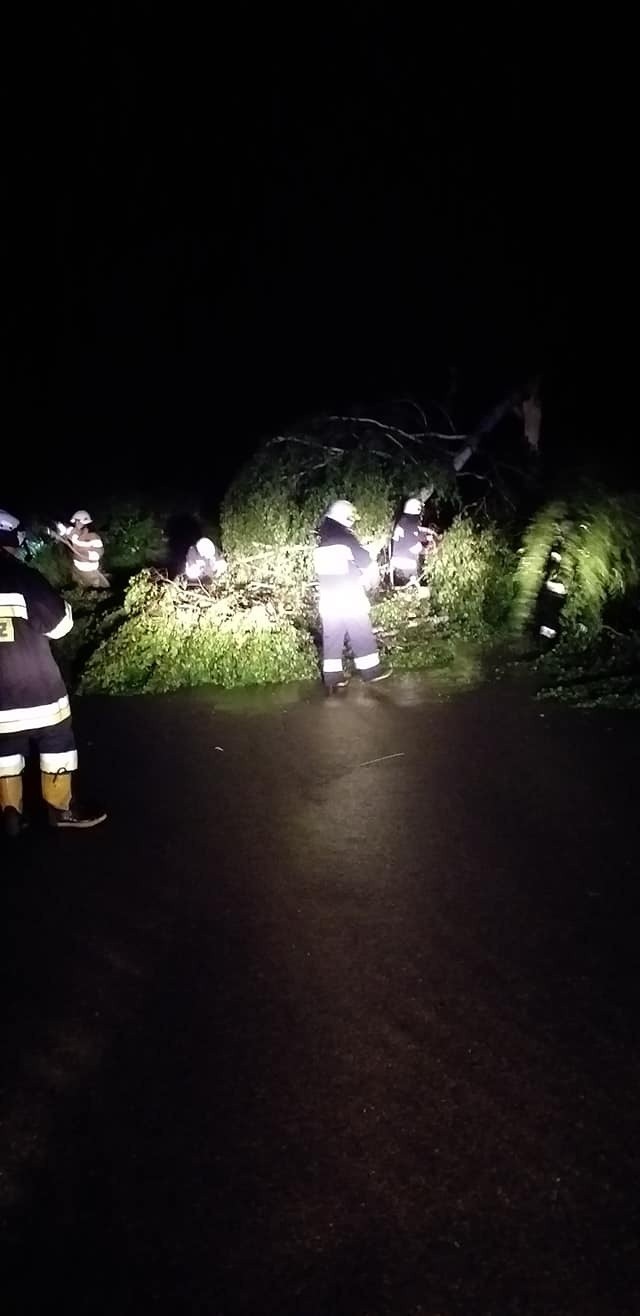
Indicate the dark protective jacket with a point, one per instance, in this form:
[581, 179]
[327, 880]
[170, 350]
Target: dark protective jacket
[32, 691]
[408, 535]
[339, 556]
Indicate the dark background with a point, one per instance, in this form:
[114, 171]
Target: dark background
[218, 226]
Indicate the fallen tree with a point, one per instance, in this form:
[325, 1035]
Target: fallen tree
[259, 623]
[257, 627]
[590, 545]
[278, 497]
[587, 549]
[173, 636]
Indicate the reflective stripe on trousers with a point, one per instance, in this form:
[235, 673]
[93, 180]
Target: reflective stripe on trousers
[338, 623]
[55, 744]
[16, 720]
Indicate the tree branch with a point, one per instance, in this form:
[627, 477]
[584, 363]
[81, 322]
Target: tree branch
[405, 434]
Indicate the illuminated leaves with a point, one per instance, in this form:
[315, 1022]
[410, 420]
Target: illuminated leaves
[172, 638]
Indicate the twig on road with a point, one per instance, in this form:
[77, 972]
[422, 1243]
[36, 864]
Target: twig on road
[382, 759]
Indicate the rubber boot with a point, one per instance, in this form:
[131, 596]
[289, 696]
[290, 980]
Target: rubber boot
[11, 805]
[56, 789]
[336, 687]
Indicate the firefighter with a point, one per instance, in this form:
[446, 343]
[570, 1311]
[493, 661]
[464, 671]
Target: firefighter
[409, 541]
[202, 563]
[87, 550]
[34, 704]
[344, 571]
[552, 597]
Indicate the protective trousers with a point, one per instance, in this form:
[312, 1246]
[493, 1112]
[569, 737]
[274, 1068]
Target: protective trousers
[344, 613]
[58, 759]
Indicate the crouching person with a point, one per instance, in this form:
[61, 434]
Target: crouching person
[202, 565]
[344, 571]
[34, 704]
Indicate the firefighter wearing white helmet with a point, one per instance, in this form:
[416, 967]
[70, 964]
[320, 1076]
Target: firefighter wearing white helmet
[408, 543]
[344, 570]
[87, 549]
[34, 704]
[202, 563]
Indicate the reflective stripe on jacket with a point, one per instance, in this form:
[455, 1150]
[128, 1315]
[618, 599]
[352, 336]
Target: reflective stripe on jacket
[87, 553]
[32, 691]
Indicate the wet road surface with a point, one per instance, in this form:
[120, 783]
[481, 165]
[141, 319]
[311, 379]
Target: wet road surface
[338, 1014]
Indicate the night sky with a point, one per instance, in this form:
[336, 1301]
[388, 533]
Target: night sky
[218, 227]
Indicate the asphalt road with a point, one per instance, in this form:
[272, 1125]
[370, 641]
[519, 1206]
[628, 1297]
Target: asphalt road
[337, 1015]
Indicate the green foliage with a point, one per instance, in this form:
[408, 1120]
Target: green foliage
[256, 626]
[271, 511]
[606, 674]
[468, 598]
[546, 530]
[173, 637]
[133, 539]
[409, 634]
[279, 496]
[278, 514]
[471, 579]
[96, 613]
[51, 559]
[600, 560]
[598, 538]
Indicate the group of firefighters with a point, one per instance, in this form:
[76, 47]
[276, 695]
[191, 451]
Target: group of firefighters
[34, 703]
[346, 571]
[201, 562]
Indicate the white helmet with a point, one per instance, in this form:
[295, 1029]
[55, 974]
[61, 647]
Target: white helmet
[81, 518]
[7, 521]
[413, 506]
[343, 512]
[206, 548]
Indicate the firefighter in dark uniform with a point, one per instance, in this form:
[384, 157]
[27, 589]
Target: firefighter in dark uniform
[344, 571]
[409, 541]
[34, 704]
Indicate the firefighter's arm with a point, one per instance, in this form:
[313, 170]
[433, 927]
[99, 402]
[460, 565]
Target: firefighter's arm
[94, 548]
[360, 555]
[366, 564]
[63, 627]
[62, 534]
[48, 613]
[371, 575]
